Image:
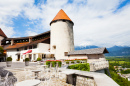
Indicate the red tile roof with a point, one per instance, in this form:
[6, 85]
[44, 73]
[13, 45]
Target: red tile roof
[61, 15]
[2, 33]
[19, 45]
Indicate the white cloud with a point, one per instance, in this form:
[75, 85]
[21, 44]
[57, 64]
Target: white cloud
[10, 9]
[30, 33]
[95, 22]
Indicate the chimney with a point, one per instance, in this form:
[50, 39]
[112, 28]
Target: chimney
[12, 41]
[30, 39]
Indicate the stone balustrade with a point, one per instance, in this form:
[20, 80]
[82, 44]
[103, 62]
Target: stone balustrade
[98, 65]
[82, 81]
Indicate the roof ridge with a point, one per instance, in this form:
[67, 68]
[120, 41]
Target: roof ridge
[94, 48]
[2, 33]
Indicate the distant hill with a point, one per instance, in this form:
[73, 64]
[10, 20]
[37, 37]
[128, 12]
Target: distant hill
[85, 47]
[113, 51]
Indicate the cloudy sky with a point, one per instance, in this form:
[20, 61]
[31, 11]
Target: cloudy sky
[103, 23]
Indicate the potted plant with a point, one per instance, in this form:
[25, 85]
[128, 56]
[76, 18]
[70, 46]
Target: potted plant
[67, 62]
[78, 61]
[39, 60]
[27, 61]
[72, 62]
[8, 61]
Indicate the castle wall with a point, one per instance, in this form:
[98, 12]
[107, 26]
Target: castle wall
[12, 53]
[61, 38]
[78, 57]
[43, 47]
[91, 58]
[95, 57]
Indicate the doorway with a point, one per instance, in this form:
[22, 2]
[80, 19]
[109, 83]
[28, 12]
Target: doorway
[18, 57]
[43, 56]
[30, 57]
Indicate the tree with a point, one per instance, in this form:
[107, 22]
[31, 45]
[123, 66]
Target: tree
[1, 50]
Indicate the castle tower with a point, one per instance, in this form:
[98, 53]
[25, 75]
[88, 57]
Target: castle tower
[62, 40]
[2, 36]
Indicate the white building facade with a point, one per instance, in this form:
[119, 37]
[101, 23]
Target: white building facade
[39, 51]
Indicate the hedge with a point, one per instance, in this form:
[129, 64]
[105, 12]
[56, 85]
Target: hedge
[83, 67]
[53, 63]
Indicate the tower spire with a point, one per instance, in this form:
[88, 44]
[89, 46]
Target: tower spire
[61, 15]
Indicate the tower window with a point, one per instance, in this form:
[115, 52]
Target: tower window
[54, 47]
[66, 53]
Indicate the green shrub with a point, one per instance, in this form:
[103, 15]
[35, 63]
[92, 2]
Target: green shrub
[85, 60]
[83, 67]
[1, 50]
[67, 62]
[39, 59]
[9, 59]
[72, 62]
[125, 71]
[59, 63]
[78, 61]
[48, 63]
[53, 63]
[27, 59]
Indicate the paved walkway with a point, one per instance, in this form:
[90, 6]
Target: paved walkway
[17, 64]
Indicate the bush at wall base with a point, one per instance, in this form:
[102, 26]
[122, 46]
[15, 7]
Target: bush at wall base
[80, 66]
[53, 63]
[9, 61]
[39, 60]
[27, 61]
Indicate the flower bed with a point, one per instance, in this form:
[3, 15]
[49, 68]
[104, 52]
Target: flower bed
[77, 60]
[53, 63]
[83, 67]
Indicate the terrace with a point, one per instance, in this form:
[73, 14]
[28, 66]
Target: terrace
[58, 76]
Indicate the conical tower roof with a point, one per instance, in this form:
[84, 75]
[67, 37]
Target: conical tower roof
[61, 15]
[2, 33]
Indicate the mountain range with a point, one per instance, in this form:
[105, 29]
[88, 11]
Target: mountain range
[113, 51]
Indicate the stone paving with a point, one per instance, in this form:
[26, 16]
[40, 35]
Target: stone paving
[21, 74]
[17, 64]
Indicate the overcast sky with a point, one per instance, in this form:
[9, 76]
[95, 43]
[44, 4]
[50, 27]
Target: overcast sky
[103, 23]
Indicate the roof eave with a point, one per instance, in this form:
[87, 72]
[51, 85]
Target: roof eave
[60, 20]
